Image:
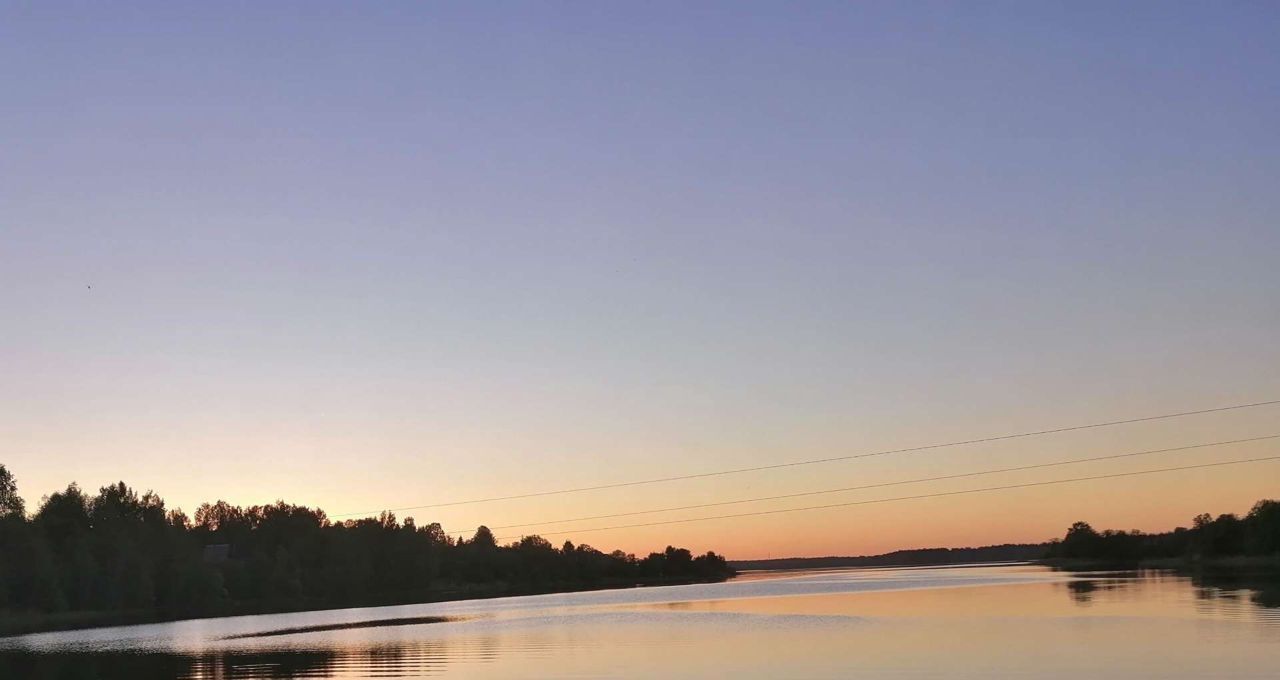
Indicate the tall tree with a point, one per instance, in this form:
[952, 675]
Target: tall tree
[10, 502]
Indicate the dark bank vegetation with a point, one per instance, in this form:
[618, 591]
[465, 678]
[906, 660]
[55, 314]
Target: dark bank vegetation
[1221, 539]
[119, 557]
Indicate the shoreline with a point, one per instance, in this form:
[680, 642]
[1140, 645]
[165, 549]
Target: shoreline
[17, 624]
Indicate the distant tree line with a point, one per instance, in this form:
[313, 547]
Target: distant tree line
[1208, 538]
[118, 551]
[1009, 552]
[1257, 533]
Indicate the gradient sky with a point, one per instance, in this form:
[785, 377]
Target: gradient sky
[380, 256]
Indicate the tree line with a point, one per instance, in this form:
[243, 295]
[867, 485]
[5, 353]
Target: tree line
[1208, 537]
[121, 551]
[917, 557]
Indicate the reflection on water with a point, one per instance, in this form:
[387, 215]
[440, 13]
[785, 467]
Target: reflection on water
[417, 659]
[1262, 589]
[298, 664]
[1233, 594]
[1082, 590]
[1015, 621]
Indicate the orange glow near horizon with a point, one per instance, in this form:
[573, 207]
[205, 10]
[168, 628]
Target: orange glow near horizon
[1150, 503]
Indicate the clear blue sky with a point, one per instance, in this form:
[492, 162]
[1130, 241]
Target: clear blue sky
[370, 255]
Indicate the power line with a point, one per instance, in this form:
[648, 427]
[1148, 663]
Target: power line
[961, 475]
[905, 498]
[816, 461]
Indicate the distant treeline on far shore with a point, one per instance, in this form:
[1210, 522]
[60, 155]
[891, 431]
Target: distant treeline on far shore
[1257, 534]
[116, 556]
[1012, 552]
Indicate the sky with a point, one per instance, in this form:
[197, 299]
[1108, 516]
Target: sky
[381, 256]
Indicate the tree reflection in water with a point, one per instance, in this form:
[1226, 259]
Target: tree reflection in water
[1228, 586]
[419, 659]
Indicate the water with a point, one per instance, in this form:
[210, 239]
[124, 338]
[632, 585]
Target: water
[979, 622]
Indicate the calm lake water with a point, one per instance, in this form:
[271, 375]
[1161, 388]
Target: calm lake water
[988, 621]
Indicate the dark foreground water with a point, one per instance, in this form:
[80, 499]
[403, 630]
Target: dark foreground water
[976, 622]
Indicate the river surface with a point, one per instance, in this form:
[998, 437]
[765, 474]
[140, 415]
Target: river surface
[1013, 621]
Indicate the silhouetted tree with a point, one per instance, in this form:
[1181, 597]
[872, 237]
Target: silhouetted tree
[1258, 533]
[1081, 541]
[10, 502]
[1263, 528]
[483, 538]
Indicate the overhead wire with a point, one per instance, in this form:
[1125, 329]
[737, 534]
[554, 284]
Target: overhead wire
[961, 475]
[939, 494]
[817, 461]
